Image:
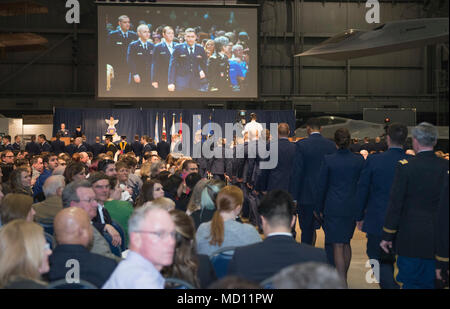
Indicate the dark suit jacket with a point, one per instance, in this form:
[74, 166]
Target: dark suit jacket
[70, 149]
[163, 149]
[160, 64]
[81, 148]
[139, 61]
[94, 268]
[148, 148]
[184, 69]
[137, 147]
[97, 222]
[262, 260]
[280, 176]
[337, 186]
[46, 147]
[98, 148]
[309, 154]
[16, 146]
[374, 187]
[33, 148]
[58, 146]
[218, 72]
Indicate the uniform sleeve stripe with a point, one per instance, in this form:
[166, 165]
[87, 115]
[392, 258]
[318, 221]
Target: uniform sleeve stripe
[389, 231]
[441, 259]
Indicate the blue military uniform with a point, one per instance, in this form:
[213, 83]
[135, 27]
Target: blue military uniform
[373, 196]
[185, 65]
[97, 149]
[305, 177]
[58, 146]
[280, 176]
[33, 148]
[70, 149]
[9, 147]
[139, 59]
[116, 55]
[160, 65]
[46, 147]
[16, 146]
[148, 148]
[411, 218]
[336, 198]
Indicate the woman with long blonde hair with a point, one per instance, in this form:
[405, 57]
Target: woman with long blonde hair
[23, 255]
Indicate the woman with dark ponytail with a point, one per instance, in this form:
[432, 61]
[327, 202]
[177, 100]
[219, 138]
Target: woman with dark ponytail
[223, 230]
[336, 200]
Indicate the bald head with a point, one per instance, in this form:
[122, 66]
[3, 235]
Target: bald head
[73, 227]
[283, 130]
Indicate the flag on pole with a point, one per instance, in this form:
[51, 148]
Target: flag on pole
[164, 133]
[199, 123]
[156, 130]
[172, 130]
[181, 128]
[211, 132]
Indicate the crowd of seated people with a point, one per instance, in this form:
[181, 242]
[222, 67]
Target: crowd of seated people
[134, 220]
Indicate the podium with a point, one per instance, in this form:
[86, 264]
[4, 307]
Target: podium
[66, 140]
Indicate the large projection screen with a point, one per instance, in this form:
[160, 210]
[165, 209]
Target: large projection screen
[172, 52]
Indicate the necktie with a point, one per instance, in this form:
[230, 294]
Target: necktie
[190, 51]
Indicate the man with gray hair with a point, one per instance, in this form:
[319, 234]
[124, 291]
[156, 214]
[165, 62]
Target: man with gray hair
[152, 245]
[79, 147]
[309, 275]
[48, 208]
[412, 209]
[80, 194]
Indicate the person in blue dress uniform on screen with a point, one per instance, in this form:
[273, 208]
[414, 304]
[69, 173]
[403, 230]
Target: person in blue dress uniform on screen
[187, 67]
[116, 54]
[139, 59]
[161, 60]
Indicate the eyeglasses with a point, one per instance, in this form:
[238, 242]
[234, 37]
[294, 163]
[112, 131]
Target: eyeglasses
[161, 234]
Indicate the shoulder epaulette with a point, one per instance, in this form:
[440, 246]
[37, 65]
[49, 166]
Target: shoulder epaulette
[403, 162]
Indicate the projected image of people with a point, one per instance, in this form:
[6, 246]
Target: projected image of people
[168, 52]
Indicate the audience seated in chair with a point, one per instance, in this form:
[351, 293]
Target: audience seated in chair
[23, 255]
[223, 230]
[74, 234]
[187, 265]
[80, 194]
[152, 246]
[48, 208]
[279, 249]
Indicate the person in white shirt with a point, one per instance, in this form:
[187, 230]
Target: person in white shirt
[152, 246]
[253, 128]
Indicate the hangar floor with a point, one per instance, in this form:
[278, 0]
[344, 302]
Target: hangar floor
[358, 269]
